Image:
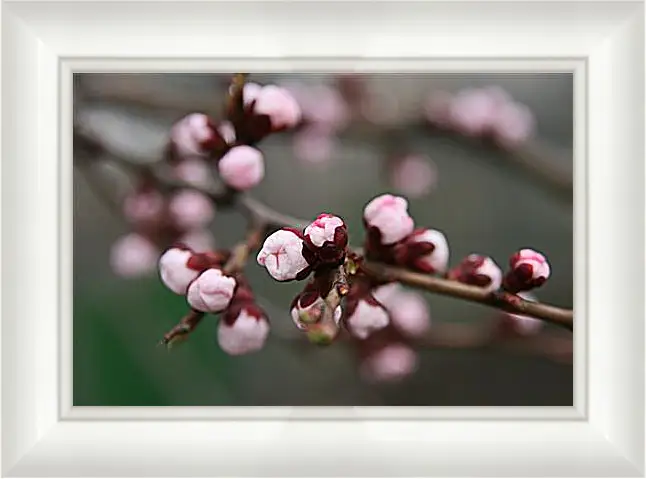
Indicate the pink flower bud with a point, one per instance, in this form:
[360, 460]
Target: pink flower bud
[390, 363]
[282, 255]
[410, 314]
[478, 270]
[307, 308]
[387, 294]
[323, 106]
[190, 209]
[250, 92]
[211, 292]
[424, 250]
[529, 270]
[327, 238]
[199, 240]
[520, 324]
[365, 316]
[194, 135]
[174, 271]
[193, 171]
[414, 175]
[472, 111]
[243, 167]
[389, 215]
[144, 207]
[133, 255]
[313, 145]
[513, 125]
[279, 105]
[243, 333]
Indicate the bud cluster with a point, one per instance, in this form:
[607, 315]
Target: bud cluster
[243, 327]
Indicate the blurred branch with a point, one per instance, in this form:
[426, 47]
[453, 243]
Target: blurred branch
[181, 330]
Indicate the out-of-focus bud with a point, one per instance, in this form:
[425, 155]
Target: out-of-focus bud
[279, 105]
[227, 132]
[194, 171]
[200, 240]
[211, 292]
[437, 109]
[387, 294]
[282, 255]
[190, 209]
[512, 125]
[307, 309]
[425, 250]
[472, 111]
[414, 175]
[314, 145]
[242, 167]
[327, 238]
[529, 270]
[174, 270]
[365, 315]
[478, 270]
[243, 328]
[388, 215]
[143, 207]
[133, 255]
[322, 105]
[520, 324]
[390, 363]
[195, 135]
[410, 314]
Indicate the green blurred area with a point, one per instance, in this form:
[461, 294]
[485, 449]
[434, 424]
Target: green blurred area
[481, 205]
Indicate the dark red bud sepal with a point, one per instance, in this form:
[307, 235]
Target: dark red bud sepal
[212, 259]
[411, 254]
[477, 270]
[326, 238]
[374, 248]
[529, 270]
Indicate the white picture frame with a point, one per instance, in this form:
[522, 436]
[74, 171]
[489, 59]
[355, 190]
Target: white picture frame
[602, 434]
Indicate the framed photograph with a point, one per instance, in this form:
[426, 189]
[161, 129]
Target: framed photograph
[323, 238]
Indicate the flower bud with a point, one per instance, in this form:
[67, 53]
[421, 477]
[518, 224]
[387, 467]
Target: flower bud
[308, 307]
[388, 215]
[243, 329]
[387, 294]
[279, 105]
[410, 314]
[194, 171]
[195, 135]
[211, 292]
[390, 363]
[242, 167]
[200, 240]
[174, 270]
[365, 315]
[424, 250]
[133, 255]
[144, 206]
[314, 145]
[472, 111]
[190, 209]
[478, 270]
[529, 270]
[282, 255]
[513, 125]
[327, 238]
[414, 175]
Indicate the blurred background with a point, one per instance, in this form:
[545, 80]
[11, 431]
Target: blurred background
[366, 135]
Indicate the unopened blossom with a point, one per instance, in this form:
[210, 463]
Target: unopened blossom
[529, 269]
[133, 255]
[242, 167]
[425, 250]
[314, 145]
[144, 206]
[410, 314]
[414, 175]
[277, 104]
[243, 329]
[366, 316]
[322, 106]
[308, 307]
[327, 237]
[513, 124]
[194, 135]
[387, 294]
[521, 324]
[390, 363]
[194, 171]
[389, 215]
[478, 270]
[190, 209]
[199, 240]
[250, 92]
[211, 292]
[174, 270]
[473, 110]
[282, 255]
